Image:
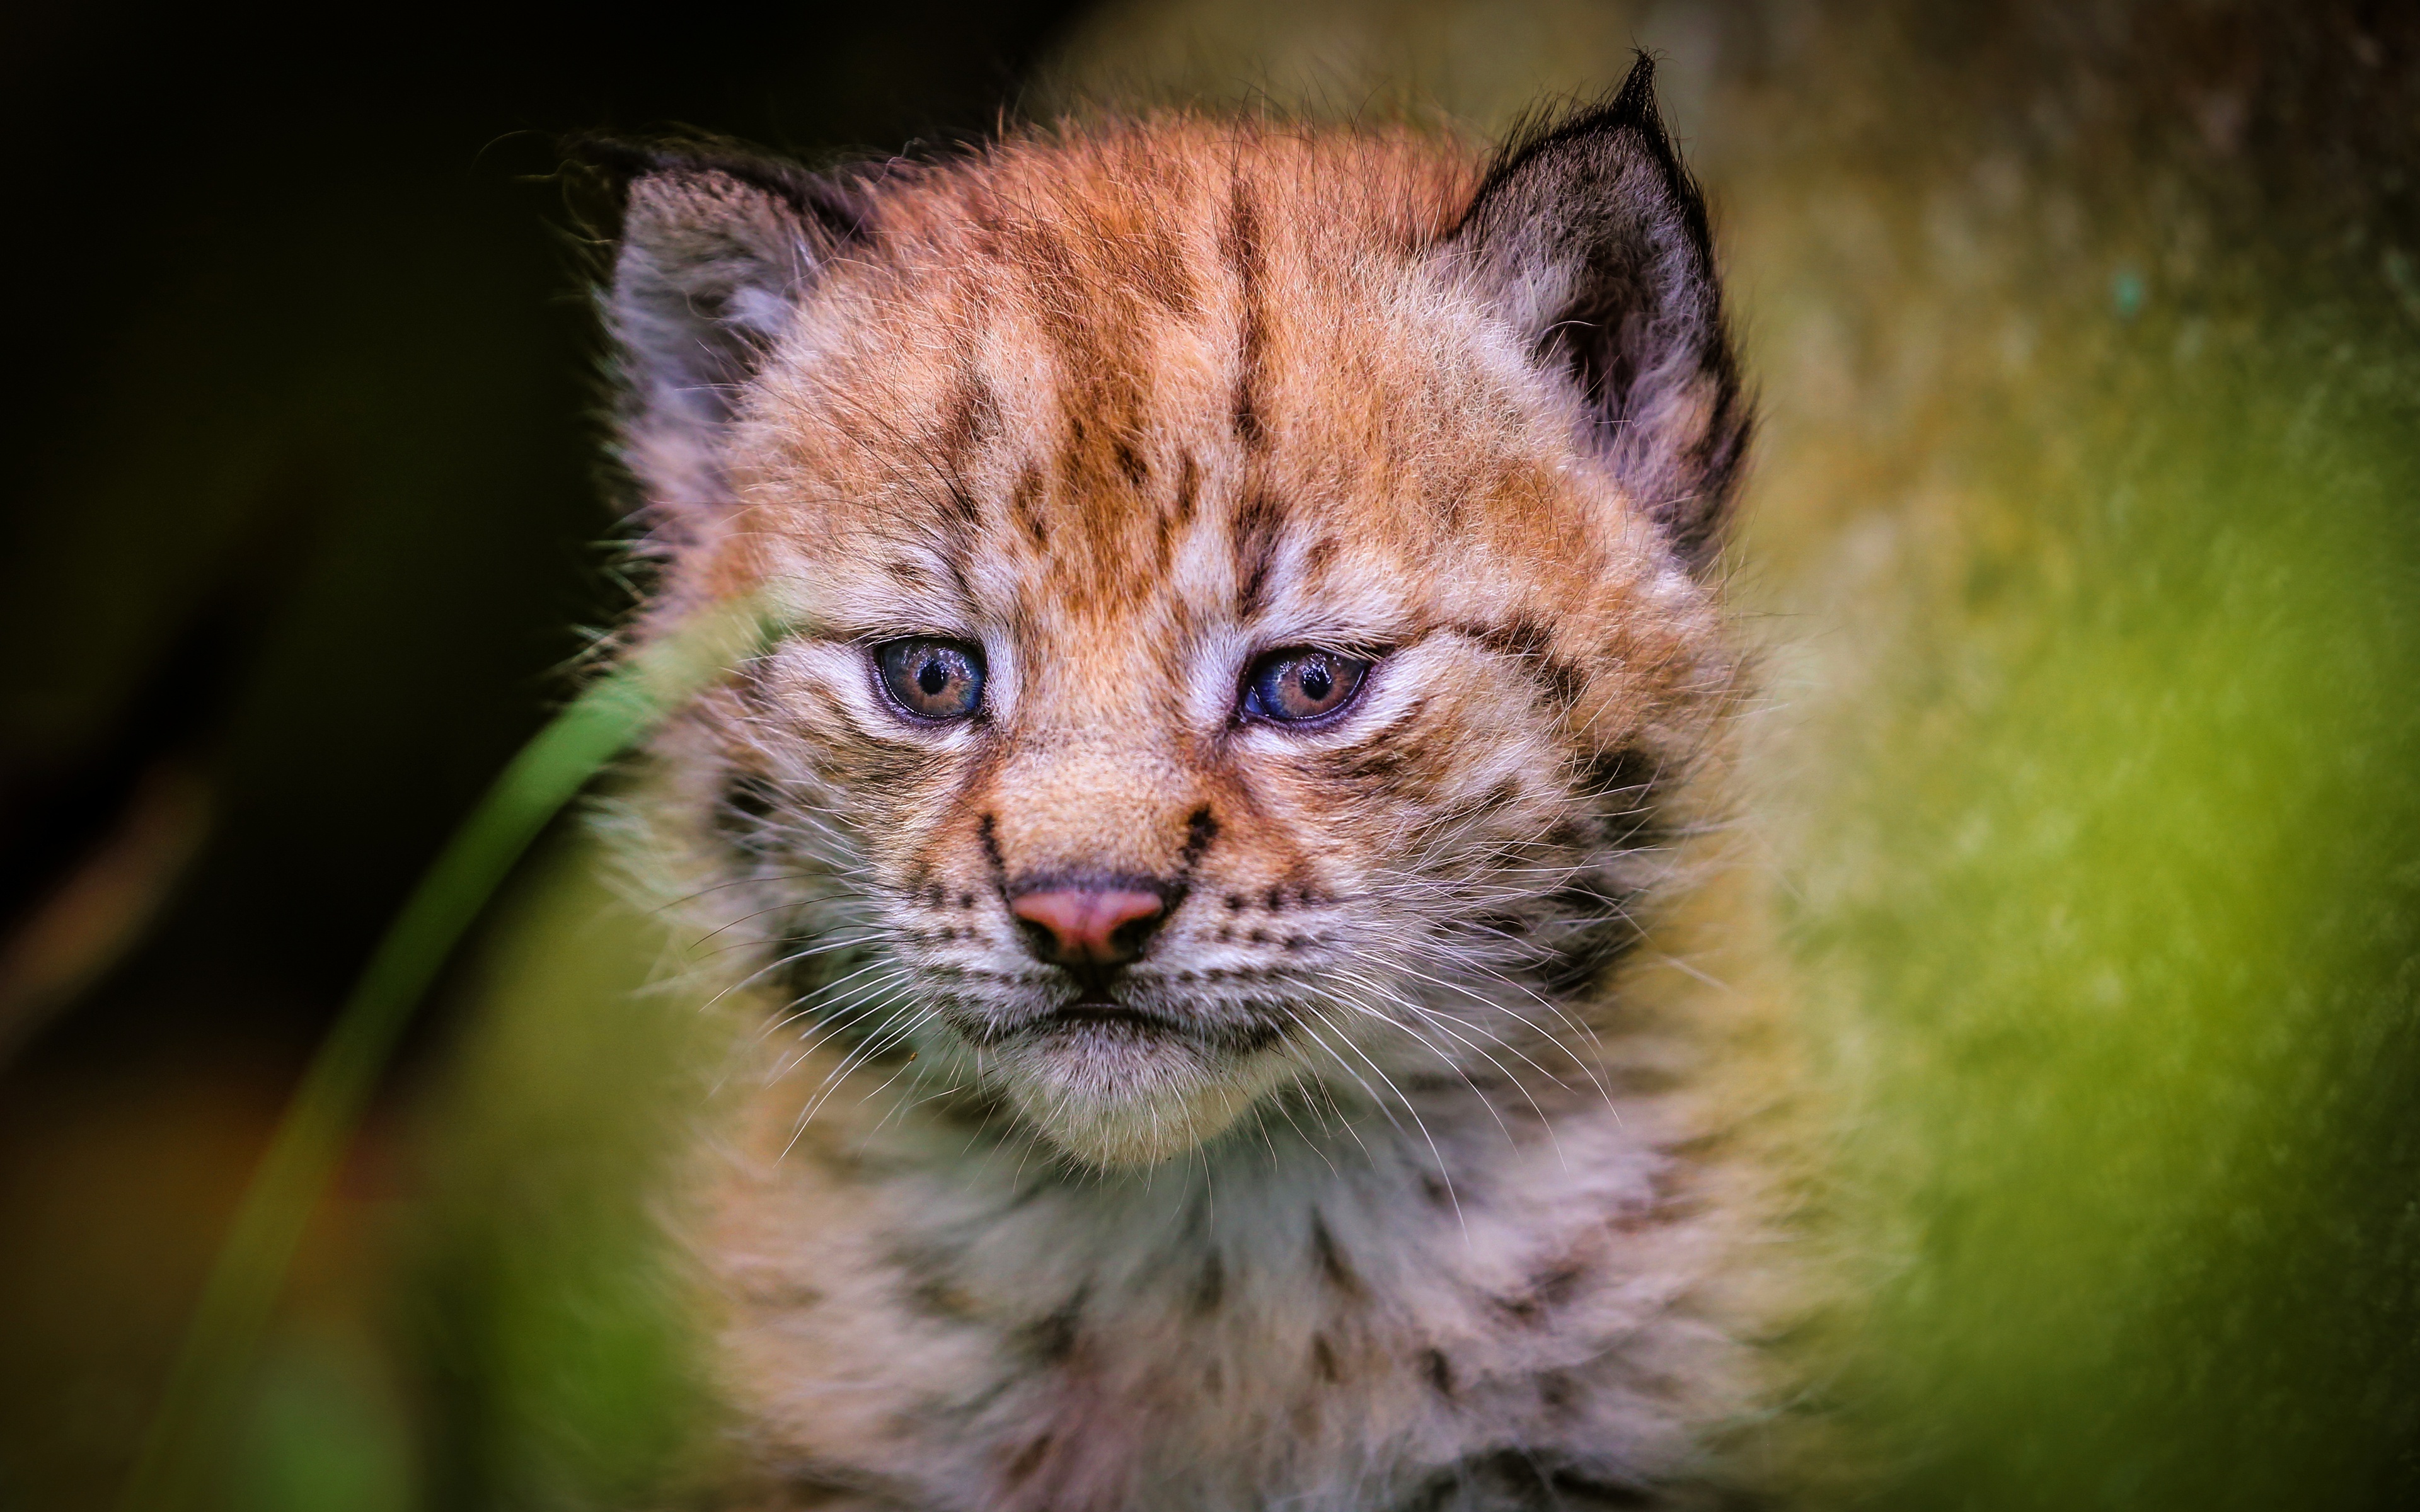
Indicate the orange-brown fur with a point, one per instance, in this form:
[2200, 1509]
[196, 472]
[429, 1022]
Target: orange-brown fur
[1397, 1204]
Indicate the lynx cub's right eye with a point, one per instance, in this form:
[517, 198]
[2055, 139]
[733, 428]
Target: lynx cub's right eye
[931, 679]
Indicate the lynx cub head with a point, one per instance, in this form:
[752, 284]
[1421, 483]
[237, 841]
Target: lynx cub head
[1253, 596]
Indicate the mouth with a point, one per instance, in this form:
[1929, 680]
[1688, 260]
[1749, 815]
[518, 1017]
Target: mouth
[1099, 1020]
[1085, 1018]
[1106, 1013]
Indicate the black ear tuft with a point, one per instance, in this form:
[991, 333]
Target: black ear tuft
[716, 249]
[1589, 237]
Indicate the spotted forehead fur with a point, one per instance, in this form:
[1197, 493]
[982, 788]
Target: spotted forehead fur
[1134, 387]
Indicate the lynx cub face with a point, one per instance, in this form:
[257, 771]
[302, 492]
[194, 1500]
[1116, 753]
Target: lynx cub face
[1249, 619]
[1253, 604]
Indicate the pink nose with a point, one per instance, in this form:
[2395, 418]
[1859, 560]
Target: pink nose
[1089, 926]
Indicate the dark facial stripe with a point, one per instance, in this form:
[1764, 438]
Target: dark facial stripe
[1241, 243]
[1258, 531]
[1396, 760]
[972, 419]
[1131, 464]
[1531, 644]
[989, 832]
[1188, 488]
[1025, 503]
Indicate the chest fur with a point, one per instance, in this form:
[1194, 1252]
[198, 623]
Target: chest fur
[1350, 1319]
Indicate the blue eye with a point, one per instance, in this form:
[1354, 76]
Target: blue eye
[1300, 684]
[931, 679]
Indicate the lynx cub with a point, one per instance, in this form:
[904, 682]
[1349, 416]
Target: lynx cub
[1259, 625]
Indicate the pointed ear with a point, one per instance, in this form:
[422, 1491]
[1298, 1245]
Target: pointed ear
[718, 250]
[1589, 238]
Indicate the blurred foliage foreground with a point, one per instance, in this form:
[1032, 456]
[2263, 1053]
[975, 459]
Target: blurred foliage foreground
[2085, 543]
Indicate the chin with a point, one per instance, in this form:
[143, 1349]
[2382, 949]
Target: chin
[1115, 1096]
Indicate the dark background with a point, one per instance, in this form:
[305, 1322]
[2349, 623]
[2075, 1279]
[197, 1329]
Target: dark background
[304, 484]
[305, 512]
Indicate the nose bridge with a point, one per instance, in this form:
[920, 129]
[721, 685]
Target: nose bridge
[1090, 803]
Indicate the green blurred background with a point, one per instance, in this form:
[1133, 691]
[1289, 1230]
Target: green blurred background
[2083, 552]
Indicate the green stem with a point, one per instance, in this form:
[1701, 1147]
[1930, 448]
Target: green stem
[222, 1344]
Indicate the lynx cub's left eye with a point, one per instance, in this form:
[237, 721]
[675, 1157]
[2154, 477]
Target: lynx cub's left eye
[1299, 684]
[931, 679]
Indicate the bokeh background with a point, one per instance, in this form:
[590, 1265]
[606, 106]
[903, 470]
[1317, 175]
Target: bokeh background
[2083, 552]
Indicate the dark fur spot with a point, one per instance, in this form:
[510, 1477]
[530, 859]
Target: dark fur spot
[973, 419]
[1234, 903]
[1332, 1264]
[1558, 1393]
[1131, 463]
[1323, 1359]
[1210, 1286]
[1440, 1373]
[1201, 830]
[935, 1298]
[1622, 785]
[749, 799]
[1021, 1466]
[1188, 488]
[1610, 934]
[1050, 1340]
